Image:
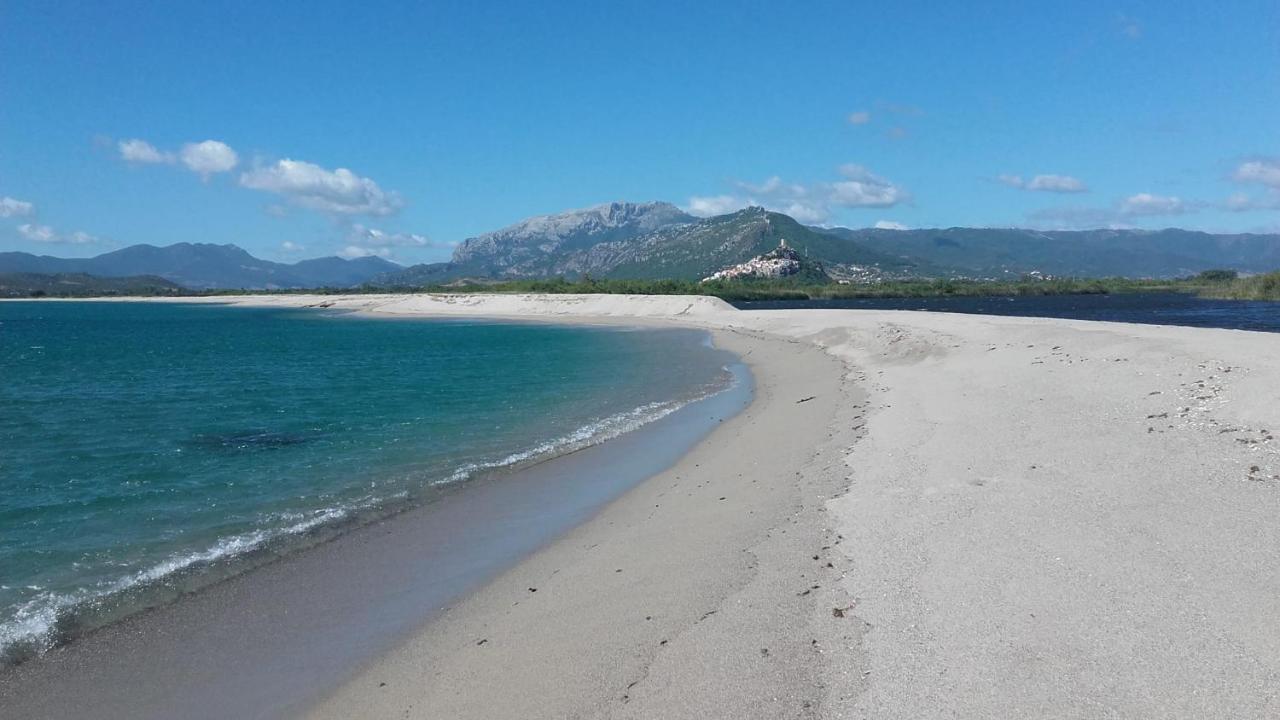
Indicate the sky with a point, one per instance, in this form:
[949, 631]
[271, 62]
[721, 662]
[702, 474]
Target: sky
[399, 129]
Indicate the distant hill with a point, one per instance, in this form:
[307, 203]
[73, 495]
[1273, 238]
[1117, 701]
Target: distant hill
[26, 285]
[204, 266]
[781, 263]
[995, 252]
[654, 240]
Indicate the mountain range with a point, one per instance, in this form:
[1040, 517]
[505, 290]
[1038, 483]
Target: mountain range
[659, 240]
[646, 240]
[200, 266]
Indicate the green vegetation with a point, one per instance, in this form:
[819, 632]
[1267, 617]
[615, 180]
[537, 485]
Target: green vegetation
[70, 285]
[1257, 287]
[1213, 283]
[790, 289]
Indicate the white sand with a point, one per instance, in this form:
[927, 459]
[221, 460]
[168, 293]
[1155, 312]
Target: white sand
[1032, 518]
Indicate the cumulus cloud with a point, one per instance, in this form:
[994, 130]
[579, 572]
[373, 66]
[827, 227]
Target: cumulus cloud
[1148, 204]
[290, 246]
[808, 203]
[363, 241]
[46, 234]
[863, 188]
[861, 117]
[204, 158]
[1265, 171]
[373, 237]
[1044, 183]
[1056, 183]
[1118, 215]
[334, 191]
[11, 207]
[890, 225]
[141, 151]
[707, 206]
[1259, 171]
[208, 157]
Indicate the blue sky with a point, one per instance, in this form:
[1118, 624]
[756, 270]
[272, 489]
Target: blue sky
[304, 129]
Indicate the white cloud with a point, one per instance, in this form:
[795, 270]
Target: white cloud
[373, 237]
[38, 233]
[141, 151]
[862, 188]
[707, 206]
[812, 203]
[208, 157]
[890, 225]
[335, 191]
[1149, 204]
[290, 246]
[203, 158]
[861, 117]
[10, 207]
[805, 211]
[1242, 202]
[1056, 183]
[46, 234]
[1118, 215]
[352, 252]
[1044, 183]
[1265, 171]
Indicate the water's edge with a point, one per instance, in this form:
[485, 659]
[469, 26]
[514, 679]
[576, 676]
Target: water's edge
[272, 640]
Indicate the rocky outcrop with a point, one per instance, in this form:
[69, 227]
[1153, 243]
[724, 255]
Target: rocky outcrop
[781, 262]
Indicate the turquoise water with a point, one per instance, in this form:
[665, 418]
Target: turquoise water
[148, 449]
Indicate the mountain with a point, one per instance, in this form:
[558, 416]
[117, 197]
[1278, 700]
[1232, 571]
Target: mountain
[996, 252]
[621, 241]
[201, 266]
[533, 247]
[21, 285]
[338, 272]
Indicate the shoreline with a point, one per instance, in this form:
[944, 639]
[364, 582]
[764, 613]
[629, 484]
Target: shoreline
[646, 585]
[70, 680]
[1002, 516]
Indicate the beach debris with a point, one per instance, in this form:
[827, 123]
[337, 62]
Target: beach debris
[807, 399]
[482, 641]
[533, 589]
[840, 611]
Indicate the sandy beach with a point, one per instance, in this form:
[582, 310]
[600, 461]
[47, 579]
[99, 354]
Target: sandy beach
[918, 515]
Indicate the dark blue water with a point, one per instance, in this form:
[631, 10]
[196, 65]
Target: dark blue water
[1146, 308]
[149, 449]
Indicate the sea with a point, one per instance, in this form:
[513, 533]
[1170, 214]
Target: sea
[1155, 308]
[148, 450]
